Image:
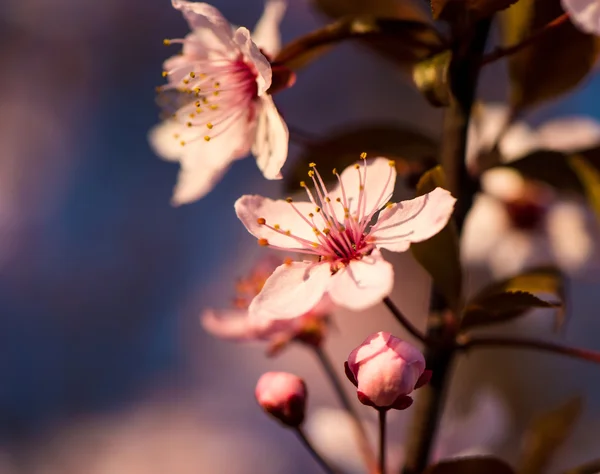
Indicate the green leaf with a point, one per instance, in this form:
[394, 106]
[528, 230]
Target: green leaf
[440, 255]
[453, 10]
[500, 307]
[412, 151]
[592, 467]
[590, 180]
[431, 77]
[407, 41]
[548, 67]
[548, 280]
[471, 465]
[546, 434]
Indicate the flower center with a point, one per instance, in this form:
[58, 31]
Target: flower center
[208, 95]
[525, 214]
[341, 220]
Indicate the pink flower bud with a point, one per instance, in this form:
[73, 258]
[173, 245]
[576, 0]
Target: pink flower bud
[283, 396]
[386, 370]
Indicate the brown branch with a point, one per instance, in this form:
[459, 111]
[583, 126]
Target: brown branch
[466, 343]
[501, 52]
[410, 327]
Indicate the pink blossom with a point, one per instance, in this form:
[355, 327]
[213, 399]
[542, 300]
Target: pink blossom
[222, 111]
[283, 396]
[584, 13]
[237, 325]
[386, 370]
[343, 231]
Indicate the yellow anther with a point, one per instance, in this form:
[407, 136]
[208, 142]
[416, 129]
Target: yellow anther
[311, 215]
[312, 165]
[287, 261]
[197, 103]
[209, 126]
[361, 188]
[261, 221]
[334, 171]
[317, 209]
[288, 232]
[158, 88]
[196, 90]
[202, 75]
[346, 209]
[215, 93]
[327, 199]
[186, 81]
[357, 166]
[207, 138]
[182, 143]
[338, 199]
[311, 173]
[189, 124]
[392, 163]
[176, 135]
[315, 245]
[302, 184]
[326, 230]
[214, 107]
[276, 227]
[192, 74]
[166, 42]
[363, 156]
[316, 231]
[217, 84]
[288, 199]
[205, 100]
[192, 115]
[199, 110]
[165, 74]
[341, 228]
[389, 204]
[263, 242]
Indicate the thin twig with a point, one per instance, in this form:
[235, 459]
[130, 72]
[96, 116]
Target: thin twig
[410, 327]
[466, 342]
[501, 52]
[382, 441]
[309, 447]
[361, 434]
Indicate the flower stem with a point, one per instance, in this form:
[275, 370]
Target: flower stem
[439, 354]
[363, 441]
[501, 52]
[410, 327]
[466, 343]
[382, 425]
[309, 447]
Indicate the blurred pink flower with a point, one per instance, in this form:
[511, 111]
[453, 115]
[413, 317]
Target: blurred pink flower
[386, 370]
[282, 395]
[345, 231]
[221, 107]
[238, 325]
[515, 222]
[584, 13]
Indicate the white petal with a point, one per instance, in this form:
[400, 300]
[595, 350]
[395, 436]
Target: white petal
[363, 283]
[266, 32]
[518, 141]
[291, 291]
[569, 134]
[250, 208]
[163, 142]
[572, 231]
[503, 183]
[584, 13]
[486, 223]
[518, 250]
[211, 28]
[412, 221]
[253, 56]
[378, 188]
[271, 143]
[233, 324]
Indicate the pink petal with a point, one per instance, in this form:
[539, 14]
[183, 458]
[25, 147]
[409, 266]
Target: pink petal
[379, 187]
[363, 283]
[569, 134]
[292, 290]
[250, 209]
[266, 32]
[413, 221]
[253, 56]
[211, 28]
[271, 144]
[233, 324]
[163, 142]
[584, 13]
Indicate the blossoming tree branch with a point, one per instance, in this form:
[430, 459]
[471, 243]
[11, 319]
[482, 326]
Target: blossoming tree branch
[494, 192]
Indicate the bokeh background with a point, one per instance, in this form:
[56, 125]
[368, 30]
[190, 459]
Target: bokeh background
[104, 368]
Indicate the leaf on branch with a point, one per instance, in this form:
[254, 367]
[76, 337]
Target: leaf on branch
[408, 41]
[546, 434]
[452, 10]
[590, 180]
[471, 465]
[501, 307]
[431, 78]
[412, 151]
[511, 298]
[547, 67]
[440, 255]
[592, 467]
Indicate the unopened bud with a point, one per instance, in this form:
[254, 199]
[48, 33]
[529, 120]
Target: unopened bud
[283, 396]
[386, 370]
